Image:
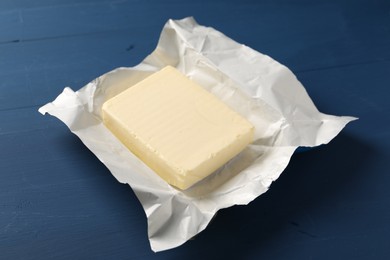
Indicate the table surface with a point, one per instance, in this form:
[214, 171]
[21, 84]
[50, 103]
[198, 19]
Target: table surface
[58, 201]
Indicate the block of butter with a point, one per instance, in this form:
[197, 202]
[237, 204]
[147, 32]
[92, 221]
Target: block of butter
[177, 128]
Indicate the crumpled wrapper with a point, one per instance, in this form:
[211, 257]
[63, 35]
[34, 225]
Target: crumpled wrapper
[253, 84]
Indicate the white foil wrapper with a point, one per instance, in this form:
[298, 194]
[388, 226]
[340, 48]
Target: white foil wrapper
[253, 84]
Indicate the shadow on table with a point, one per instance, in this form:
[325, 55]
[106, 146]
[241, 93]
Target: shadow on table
[312, 181]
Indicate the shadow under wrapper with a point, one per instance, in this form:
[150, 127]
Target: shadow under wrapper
[312, 184]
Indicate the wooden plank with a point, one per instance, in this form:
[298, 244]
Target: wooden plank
[47, 67]
[38, 199]
[26, 4]
[301, 36]
[45, 61]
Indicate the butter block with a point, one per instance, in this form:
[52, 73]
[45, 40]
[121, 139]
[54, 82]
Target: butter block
[177, 128]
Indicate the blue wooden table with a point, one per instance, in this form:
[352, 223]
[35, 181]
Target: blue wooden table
[57, 201]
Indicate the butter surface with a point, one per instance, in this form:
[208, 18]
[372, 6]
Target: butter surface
[181, 131]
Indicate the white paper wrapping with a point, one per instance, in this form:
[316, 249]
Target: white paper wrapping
[256, 86]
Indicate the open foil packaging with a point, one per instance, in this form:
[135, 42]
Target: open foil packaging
[253, 84]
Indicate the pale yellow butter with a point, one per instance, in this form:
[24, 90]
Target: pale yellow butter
[181, 131]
